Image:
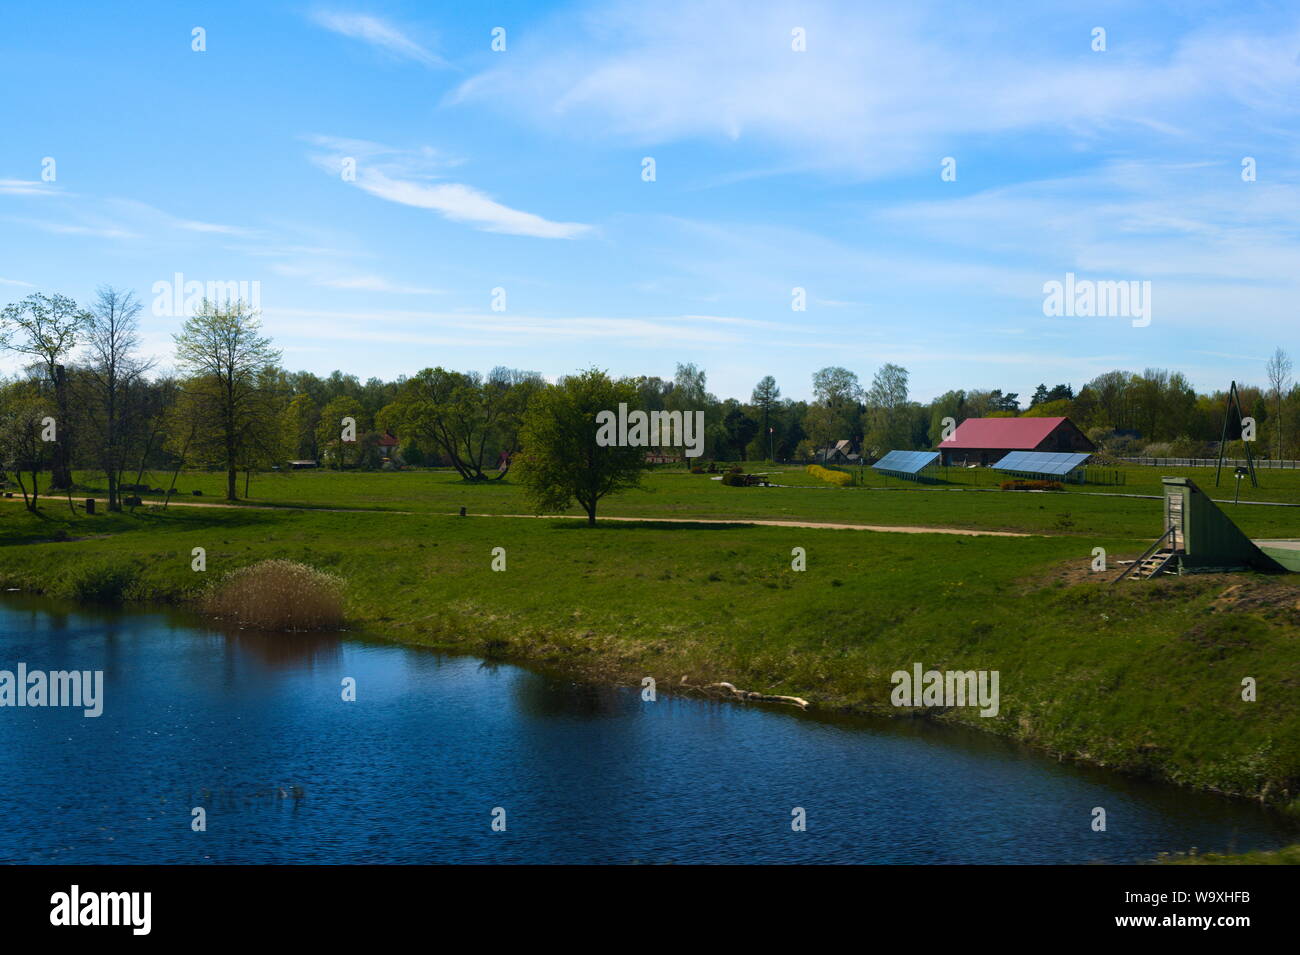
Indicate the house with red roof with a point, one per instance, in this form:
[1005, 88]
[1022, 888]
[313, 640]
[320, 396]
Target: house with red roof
[388, 444]
[985, 441]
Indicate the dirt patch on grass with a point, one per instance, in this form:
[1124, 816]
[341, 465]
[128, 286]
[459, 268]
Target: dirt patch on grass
[1240, 592]
[1273, 598]
[1076, 571]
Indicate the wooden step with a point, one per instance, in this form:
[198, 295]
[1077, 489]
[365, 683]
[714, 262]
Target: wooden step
[1152, 565]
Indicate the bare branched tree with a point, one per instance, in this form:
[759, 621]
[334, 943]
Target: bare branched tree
[113, 368]
[1279, 380]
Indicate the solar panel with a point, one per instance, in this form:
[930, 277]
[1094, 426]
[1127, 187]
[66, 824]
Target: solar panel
[906, 462]
[1055, 463]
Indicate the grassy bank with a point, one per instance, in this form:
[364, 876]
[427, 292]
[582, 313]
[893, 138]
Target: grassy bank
[1143, 678]
[1287, 856]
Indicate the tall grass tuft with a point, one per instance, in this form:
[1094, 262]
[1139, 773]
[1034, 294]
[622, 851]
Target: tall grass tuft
[101, 583]
[278, 595]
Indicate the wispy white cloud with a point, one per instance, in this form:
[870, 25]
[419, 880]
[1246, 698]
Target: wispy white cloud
[407, 178]
[730, 320]
[380, 34]
[121, 219]
[1232, 356]
[4, 281]
[461, 203]
[26, 187]
[376, 283]
[1188, 222]
[883, 89]
[212, 227]
[153, 220]
[314, 274]
[392, 325]
[66, 228]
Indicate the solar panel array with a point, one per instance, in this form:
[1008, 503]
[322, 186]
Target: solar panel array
[1056, 463]
[906, 462]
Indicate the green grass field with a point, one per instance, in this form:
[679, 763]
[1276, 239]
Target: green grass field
[1091, 512]
[1144, 677]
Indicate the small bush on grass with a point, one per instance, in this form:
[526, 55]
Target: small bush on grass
[839, 478]
[1022, 485]
[101, 583]
[278, 595]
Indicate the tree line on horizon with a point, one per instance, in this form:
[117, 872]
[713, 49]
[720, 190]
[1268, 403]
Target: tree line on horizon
[88, 400]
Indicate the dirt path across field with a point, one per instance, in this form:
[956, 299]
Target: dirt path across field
[884, 528]
[57, 502]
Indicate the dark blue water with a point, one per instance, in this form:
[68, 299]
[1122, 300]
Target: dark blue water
[253, 728]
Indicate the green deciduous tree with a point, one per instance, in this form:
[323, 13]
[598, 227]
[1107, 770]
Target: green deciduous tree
[299, 421]
[223, 350]
[329, 432]
[835, 414]
[24, 418]
[46, 328]
[887, 410]
[472, 421]
[560, 460]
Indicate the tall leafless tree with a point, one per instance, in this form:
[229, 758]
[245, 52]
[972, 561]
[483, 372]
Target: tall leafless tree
[113, 368]
[1279, 379]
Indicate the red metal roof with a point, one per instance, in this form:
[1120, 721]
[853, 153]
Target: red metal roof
[997, 433]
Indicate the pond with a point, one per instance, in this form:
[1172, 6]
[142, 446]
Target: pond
[253, 729]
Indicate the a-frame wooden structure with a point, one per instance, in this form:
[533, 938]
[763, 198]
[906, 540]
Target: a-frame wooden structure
[1232, 425]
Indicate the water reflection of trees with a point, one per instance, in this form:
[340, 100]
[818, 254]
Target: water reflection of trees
[546, 695]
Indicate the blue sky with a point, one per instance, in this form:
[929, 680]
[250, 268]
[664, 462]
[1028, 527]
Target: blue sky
[775, 169]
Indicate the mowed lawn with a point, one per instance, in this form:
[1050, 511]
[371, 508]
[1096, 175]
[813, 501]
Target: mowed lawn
[1091, 512]
[1145, 677]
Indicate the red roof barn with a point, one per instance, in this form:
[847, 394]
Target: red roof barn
[986, 440]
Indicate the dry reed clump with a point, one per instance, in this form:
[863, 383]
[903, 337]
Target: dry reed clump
[278, 595]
